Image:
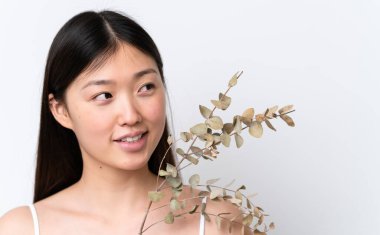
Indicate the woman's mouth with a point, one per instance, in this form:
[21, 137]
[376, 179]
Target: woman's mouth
[133, 143]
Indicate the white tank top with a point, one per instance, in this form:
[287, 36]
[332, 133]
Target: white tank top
[37, 227]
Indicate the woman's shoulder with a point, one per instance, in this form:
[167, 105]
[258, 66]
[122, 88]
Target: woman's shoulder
[17, 221]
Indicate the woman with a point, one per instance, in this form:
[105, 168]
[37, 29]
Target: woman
[102, 137]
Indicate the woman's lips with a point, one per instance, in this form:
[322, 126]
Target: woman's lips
[134, 146]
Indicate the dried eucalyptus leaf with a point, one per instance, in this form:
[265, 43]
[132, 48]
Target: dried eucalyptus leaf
[186, 136]
[194, 209]
[269, 124]
[215, 123]
[174, 205]
[170, 139]
[235, 201]
[288, 120]
[195, 150]
[247, 116]
[172, 170]
[206, 112]
[163, 173]
[249, 206]
[199, 129]
[238, 140]
[180, 151]
[233, 80]
[260, 117]
[258, 232]
[285, 109]
[216, 193]
[194, 180]
[174, 182]
[228, 128]
[271, 111]
[217, 103]
[169, 218]
[212, 181]
[155, 196]
[225, 101]
[238, 195]
[241, 187]
[256, 129]
[237, 124]
[261, 220]
[247, 220]
[226, 139]
[192, 159]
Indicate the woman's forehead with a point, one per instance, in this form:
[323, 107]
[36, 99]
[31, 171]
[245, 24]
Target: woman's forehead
[126, 60]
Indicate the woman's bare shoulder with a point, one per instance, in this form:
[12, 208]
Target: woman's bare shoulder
[17, 221]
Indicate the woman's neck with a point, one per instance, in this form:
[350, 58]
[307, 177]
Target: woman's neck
[113, 192]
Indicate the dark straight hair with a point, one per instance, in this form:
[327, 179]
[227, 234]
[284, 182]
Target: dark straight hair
[83, 43]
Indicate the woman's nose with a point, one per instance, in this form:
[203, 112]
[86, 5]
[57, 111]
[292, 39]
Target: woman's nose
[129, 113]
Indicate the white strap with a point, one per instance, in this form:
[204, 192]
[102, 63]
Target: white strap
[35, 219]
[202, 222]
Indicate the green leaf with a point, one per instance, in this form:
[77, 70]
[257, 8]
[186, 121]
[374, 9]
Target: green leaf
[155, 196]
[169, 218]
[194, 180]
[206, 112]
[199, 129]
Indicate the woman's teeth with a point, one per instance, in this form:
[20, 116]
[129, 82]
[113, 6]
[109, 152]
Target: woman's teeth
[131, 139]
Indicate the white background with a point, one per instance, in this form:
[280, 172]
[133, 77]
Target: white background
[321, 177]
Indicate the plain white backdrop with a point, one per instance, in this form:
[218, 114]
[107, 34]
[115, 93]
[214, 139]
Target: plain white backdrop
[323, 56]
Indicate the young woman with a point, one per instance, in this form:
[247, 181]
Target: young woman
[102, 137]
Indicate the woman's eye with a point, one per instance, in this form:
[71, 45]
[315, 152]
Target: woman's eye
[103, 96]
[147, 87]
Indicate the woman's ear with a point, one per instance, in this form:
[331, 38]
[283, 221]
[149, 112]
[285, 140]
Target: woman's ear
[59, 111]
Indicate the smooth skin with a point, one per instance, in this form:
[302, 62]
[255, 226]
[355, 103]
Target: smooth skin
[125, 95]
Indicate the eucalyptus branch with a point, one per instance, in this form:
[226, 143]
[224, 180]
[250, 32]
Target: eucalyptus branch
[213, 131]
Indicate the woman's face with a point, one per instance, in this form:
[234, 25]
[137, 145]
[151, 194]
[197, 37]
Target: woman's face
[117, 112]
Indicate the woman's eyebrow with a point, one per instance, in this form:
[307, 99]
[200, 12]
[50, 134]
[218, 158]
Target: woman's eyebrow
[111, 82]
[144, 72]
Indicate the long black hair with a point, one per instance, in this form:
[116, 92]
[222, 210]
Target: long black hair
[86, 40]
